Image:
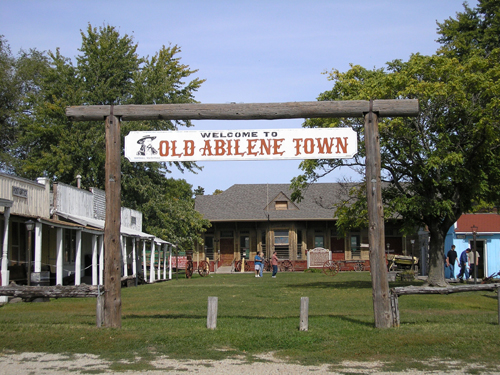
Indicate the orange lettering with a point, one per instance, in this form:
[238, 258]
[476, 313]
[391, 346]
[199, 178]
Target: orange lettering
[207, 149]
[343, 145]
[164, 148]
[189, 148]
[251, 146]
[219, 147]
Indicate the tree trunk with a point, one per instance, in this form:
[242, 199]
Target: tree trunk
[436, 257]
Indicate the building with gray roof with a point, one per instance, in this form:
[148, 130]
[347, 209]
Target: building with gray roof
[250, 218]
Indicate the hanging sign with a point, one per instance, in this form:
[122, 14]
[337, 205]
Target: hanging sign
[256, 144]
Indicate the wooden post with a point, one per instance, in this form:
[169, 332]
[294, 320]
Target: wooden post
[380, 284]
[304, 314]
[112, 264]
[212, 312]
[99, 311]
[395, 309]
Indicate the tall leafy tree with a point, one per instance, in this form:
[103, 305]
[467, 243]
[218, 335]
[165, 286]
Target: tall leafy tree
[108, 71]
[439, 164]
[475, 30]
[20, 77]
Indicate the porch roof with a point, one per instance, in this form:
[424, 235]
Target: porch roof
[99, 224]
[485, 223]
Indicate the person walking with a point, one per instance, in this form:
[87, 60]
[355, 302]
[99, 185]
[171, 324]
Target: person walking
[261, 263]
[463, 266]
[258, 265]
[451, 258]
[473, 263]
[274, 263]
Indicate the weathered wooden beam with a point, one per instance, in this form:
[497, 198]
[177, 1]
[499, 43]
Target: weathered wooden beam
[380, 283]
[400, 291]
[245, 111]
[58, 291]
[112, 251]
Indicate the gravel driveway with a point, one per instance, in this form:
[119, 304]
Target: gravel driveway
[59, 364]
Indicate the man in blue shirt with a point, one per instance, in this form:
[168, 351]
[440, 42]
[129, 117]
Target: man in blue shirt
[258, 265]
[463, 266]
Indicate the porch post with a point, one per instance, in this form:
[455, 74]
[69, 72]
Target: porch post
[38, 247]
[170, 262]
[94, 260]
[144, 268]
[152, 262]
[165, 261]
[159, 262]
[101, 260]
[59, 256]
[124, 255]
[5, 247]
[5, 252]
[134, 260]
[78, 258]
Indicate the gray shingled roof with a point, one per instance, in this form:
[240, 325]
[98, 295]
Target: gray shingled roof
[248, 202]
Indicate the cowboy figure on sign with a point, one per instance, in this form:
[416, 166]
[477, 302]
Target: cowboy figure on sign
[146, 146]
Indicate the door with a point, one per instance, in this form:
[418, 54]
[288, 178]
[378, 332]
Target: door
[226, 251]
[480, 250]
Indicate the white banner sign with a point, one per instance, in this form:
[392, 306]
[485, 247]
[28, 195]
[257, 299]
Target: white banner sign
[204, 145]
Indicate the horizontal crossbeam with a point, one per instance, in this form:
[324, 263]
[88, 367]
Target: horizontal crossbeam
[245, 111]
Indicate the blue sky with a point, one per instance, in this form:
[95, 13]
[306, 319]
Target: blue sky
[248, 51]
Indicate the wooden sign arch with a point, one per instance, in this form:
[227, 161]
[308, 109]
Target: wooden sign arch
[370, 110]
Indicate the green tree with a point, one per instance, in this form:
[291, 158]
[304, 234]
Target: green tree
[473, 30]
[19, 77]
[199, 191]
[439, 164]
[108, 70]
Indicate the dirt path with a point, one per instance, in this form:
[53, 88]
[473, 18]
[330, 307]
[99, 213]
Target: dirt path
[58, 364]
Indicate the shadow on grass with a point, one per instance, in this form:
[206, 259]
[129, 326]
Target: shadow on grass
[334, 285]
[348, 319]
[345, 318]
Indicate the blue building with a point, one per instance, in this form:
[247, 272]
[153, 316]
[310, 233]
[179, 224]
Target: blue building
[487, 235]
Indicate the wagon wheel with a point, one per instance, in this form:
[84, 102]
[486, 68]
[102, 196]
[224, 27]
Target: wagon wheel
[359, 266]
[330, 268]
[237, 266]
[189, 269]
[247, 267]
[267, 266]
[204, 268]
[286, 265]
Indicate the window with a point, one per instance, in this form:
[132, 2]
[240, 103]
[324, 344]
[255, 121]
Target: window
[245, 245]
[319, 240]
[281, 244]
[281, 205]
[209, 247]
[299, 244]
[355, 246]
[280, 237]
[133, 220]
[263, 243]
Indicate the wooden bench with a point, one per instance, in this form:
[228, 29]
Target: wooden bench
[400, 291]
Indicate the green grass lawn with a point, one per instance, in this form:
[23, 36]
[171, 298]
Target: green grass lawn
[260, 315]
